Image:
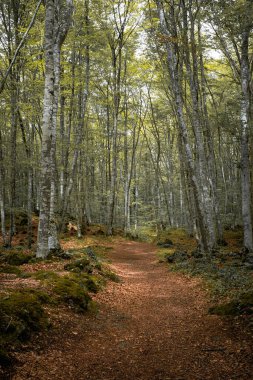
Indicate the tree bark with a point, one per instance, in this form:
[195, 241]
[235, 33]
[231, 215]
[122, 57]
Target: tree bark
[245, 125]
[47, 133]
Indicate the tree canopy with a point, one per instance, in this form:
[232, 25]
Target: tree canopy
[126, 113]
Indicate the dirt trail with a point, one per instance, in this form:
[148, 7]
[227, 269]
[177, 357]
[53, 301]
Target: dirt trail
[152, 326]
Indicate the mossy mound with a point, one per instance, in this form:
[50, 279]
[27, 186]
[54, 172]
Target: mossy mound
[166, 243]
[45, 275]
[244, 305]
[177, 257]
[80, 265]
[10, 269]
[107, 273]
[15, 258]
[21, 313]
[72, 291]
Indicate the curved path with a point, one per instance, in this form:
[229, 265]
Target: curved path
[153, 325]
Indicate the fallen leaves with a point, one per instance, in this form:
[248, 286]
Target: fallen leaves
[153, 325]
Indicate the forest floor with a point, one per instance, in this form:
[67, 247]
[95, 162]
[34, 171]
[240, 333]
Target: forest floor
[152, 325]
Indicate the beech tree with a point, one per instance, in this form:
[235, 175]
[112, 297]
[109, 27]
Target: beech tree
[57, 23]
[126, 117]
[234, 38]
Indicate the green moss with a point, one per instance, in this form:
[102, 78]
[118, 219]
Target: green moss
[72, 291]
[11, 269]
[21, 313]
[15, 258]
[80, 265]
[242, 305]
[231, 308]
[45, 275]
[111, 275]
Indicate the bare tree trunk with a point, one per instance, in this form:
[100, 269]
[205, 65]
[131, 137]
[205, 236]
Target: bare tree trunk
[204, 177]
[30, 189]
[57, 22]
[116, 102]
[245, 121]
[63, 13]
[2, 196]
[83, 103]
[47, 132]
[172, 51]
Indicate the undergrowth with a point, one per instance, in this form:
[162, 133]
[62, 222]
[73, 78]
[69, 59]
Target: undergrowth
[21, 313]
[228, 280]
[24, 311]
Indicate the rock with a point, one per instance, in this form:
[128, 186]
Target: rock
[80, 265]
[197, 254]
[91, 254]
[59, 253]
[248, 263]
[165, 244]
[177, 256]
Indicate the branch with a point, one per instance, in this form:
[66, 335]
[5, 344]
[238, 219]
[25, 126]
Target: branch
[2, 84]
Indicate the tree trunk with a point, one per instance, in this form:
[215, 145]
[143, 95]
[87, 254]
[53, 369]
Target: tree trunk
[179, 106]
[47, 134]
[245, 123]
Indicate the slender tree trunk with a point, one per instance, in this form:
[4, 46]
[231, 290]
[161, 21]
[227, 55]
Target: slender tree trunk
[204, 177]
[2, 195]
[175, 81]
[47, 134]
[30, 189]
[83, 103]
[245, 124]
[13, 157]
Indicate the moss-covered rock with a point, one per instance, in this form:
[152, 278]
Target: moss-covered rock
[244, 305]
[15, 258]
[73, 292]
[21, 313]
[165, 244]
[110, 275]
[231, 308]
[177, 257]
[91, 254]
[80, 265]
[45, 275]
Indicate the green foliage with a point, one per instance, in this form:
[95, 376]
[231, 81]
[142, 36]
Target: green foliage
[223, 278]
[144, 234]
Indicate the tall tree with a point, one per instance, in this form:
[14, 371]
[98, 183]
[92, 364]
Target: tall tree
[57, 23]
[233, 36]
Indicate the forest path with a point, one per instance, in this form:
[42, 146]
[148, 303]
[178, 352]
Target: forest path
[153, 325]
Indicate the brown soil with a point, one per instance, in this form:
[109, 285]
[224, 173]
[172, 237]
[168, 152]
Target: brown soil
[153, 325]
